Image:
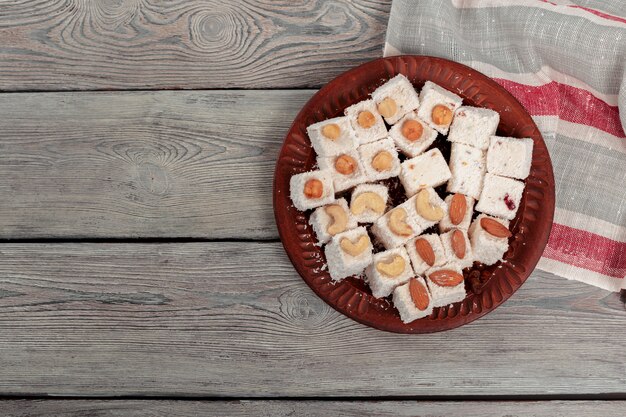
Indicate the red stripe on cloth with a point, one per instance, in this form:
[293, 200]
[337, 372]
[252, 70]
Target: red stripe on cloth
[586, 250]
[587, 9]
[569, 103]
[598, 13]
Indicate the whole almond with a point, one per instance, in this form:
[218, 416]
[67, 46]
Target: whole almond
[419, 294]
[494, 227]
[458, 207]
[457, 241]
[446, 278]
[425, 251]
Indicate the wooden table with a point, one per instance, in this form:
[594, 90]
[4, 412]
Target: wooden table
[140, 262]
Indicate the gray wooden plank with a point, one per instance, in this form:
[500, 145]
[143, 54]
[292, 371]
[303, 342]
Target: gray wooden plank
[233, 319]
[104, 408]
[128, 44]
[141, 164]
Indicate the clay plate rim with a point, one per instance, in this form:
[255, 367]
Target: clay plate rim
[530, 228]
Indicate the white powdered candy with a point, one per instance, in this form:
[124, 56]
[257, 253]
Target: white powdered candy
[437, 106]
[332, 219]
[407, 305]
[429, 169]
[510, 157]
[346, 169]
[395, 98]
[348, 253]
[446, 223]
[311, 189]
[332, 137]
[397, 226]
[463, 259]
[388, 270]
[368, 202]
[473, 126]
[467, 166]
[486, 247]
[424, 242]
[367, 123]
[442, 293]
[500, 196]
[412, 135]
[380, 159]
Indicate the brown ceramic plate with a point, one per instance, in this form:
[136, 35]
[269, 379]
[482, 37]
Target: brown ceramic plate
[487, 287]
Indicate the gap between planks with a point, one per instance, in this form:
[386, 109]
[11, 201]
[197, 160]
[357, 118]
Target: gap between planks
[244, 408]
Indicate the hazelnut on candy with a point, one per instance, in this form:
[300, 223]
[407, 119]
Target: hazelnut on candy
[412, 130]
[395, 98]
[441, 115]
[346, 168]
[412, 135]
[366, 119]
[332, 137]
[383, 161]
[345, 164]
[331, 131]
[311, 189]
[387, 108]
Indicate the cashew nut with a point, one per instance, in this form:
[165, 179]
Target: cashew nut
[392, 267]
[425, 209]
[339, 219]
[367, 200]
[397, 222]
[357, 248]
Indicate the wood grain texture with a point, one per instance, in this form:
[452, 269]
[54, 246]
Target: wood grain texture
[141, 164]
[103, 408]
[233, 319]
[149, 44]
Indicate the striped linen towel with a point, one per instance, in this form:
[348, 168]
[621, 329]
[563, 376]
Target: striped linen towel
[565, 62]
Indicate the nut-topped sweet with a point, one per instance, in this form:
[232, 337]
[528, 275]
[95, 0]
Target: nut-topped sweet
[425, 252]
[429, 208]
[311, 189]
[348, 253]
[368, 202]
[413, 300]
[367, 123]
[380, 160]
[437, 106]
[332, 137]
[397, 226]
[460, 210]
[457, 247]
[489, 237]
[346, 168]
[396, 98]
[446, 284]
[412, 135]
[388, 270]
[332, 219]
